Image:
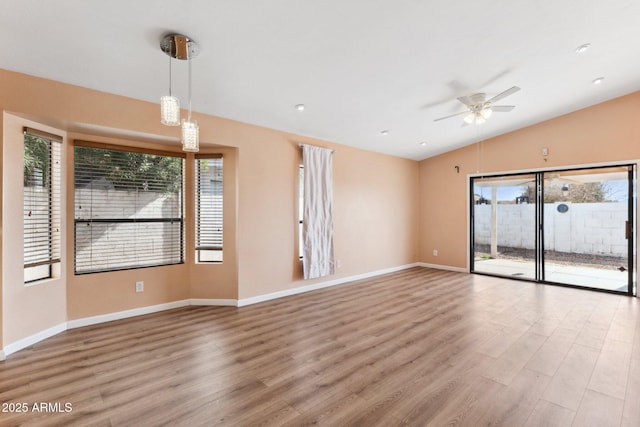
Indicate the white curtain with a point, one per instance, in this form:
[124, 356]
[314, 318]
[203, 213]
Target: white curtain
[317, 232]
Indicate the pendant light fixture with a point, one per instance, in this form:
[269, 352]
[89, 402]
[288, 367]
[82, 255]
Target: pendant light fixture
[169, 106]
[190, 130]
[180, 47]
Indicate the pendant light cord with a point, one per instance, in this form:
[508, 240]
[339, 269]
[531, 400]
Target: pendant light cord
[169, 75]
[189, 60]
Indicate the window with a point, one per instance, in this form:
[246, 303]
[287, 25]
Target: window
[209, 201]
[128, 208]
[41, 196]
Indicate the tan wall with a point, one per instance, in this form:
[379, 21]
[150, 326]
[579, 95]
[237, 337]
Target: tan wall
[606, 132]
[216, 281]
[376, 207]
[375, 213]
[26, 309]
[1, 237]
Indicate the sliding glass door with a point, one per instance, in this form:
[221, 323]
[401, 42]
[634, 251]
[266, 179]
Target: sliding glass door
[587, 228]
[504, 222]
[570, 227]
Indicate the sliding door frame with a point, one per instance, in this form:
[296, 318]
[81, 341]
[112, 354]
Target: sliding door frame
[632, 168]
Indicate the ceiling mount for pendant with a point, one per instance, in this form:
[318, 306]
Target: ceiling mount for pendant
[179, 46]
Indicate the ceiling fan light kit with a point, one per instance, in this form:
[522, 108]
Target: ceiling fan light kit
[478, 117]
[479, 109]
[474, 118]
[470, 118]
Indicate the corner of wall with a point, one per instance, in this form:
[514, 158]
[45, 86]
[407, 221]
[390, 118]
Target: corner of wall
[34, 309]
[2, 355]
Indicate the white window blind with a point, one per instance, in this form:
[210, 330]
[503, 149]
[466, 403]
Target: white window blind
[209, 203]
[128, 207]
[41, 200]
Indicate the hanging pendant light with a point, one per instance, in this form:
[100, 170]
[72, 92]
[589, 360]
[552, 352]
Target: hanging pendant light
[169, 110]
[190, 136]
[190, 130]
[180, 47]
[169, 106]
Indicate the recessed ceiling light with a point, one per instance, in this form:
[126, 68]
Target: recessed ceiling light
[583, 48]
[384, 132]
[423, 143]
[597, 81]
[300, 107]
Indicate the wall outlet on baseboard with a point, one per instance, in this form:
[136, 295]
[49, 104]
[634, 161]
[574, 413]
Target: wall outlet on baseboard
[139, 286]
[435, 252]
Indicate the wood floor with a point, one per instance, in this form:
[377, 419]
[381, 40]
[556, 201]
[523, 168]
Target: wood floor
[414, 348]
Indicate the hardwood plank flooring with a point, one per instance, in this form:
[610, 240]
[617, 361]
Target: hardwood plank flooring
[413, 348]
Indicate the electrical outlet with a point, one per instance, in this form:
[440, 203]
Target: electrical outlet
[139, 286]
[545, 151]
[435, 252]
[338, 263]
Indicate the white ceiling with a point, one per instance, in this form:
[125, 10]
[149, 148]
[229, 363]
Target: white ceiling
[359, 66]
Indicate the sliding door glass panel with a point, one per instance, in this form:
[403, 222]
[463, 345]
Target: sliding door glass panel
[504, 226]
[586, 240]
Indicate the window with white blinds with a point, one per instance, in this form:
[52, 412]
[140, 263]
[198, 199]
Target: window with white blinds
[209, 202]
[41, 197]
[128, 207]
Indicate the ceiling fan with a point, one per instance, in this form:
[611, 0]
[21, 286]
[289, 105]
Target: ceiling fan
[479, 109]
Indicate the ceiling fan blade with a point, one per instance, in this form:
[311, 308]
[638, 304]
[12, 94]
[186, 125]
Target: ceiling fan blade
[451, 115]
[466, 100]
[502, 108]
[504, 94]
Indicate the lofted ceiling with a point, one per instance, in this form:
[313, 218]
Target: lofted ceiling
[358, 66]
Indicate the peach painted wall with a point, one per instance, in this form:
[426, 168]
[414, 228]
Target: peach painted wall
[218, 281]
[607, 132]
[375, 199]
[1, 239]
[375, 213]
[31, 308]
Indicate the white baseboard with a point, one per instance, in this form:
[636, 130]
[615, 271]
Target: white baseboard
[33, 339]
[93, 320]
[86, 321]
[217, 302]
[299, 290]
[443, 267]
